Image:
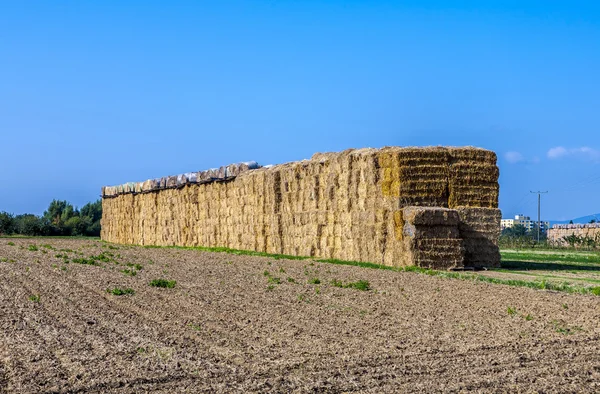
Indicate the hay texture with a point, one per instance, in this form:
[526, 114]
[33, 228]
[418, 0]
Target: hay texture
[558, 232]
[432, 237]
[363, 205]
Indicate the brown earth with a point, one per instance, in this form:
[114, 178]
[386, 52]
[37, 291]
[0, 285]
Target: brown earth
[222, 329]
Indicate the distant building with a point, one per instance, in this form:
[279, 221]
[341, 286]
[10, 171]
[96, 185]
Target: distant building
[524, 221]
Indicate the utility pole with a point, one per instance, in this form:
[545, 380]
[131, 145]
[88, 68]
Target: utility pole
[539, 220]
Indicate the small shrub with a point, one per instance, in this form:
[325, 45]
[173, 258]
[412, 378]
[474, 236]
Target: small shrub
[168, 284]
[362, 285]
[119, 292]
[302, 297]
[337, 283]
[104, 256]
[562, 328]
[130, 272]
[83, 260]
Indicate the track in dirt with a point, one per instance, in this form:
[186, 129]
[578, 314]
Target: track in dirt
[239, 323]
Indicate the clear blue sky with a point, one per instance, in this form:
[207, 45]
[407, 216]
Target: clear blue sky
[100, 93]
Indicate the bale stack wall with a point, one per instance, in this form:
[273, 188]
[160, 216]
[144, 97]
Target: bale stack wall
[346, 205]
[558, 232]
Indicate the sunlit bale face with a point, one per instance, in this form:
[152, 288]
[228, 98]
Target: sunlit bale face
[346, 205]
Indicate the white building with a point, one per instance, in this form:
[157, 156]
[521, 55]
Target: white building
[524, 221]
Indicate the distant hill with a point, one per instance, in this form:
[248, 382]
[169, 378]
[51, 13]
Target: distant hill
[583, 219]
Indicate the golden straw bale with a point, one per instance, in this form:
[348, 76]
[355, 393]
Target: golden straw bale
[345, 205]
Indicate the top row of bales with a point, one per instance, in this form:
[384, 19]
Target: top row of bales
[433, 176]
[222, 173]
[446, 177]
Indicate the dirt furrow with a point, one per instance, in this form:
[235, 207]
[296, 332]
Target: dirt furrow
[254, 324]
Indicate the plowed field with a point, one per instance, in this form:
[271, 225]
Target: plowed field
[235, 323]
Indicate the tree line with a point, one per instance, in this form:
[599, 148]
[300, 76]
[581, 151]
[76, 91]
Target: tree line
[61, 218]
[519, 236]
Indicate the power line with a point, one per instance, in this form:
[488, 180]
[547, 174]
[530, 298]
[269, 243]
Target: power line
[539, 203]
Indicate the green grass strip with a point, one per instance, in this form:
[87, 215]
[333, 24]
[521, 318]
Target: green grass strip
[21, 236]
[550, 275]
[569, 258]
[539, 285]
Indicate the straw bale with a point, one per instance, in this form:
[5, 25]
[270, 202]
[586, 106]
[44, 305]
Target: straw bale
[480, 229]
[469, 153]
[346, 205]
[473, 178]
[171, 181]
[432, 237]
[427, 216]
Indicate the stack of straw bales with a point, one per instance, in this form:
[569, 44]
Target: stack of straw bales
[353, 205]
[480, 230]
[432, 237]
[558, 232]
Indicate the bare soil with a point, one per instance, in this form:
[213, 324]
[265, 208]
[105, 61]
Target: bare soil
[228, 326]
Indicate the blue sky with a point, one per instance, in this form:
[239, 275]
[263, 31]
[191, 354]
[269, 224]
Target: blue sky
[100, 93]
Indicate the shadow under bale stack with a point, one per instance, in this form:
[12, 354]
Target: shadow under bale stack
[363, 205]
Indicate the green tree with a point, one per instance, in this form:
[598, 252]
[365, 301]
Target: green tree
[57, 215]
[518, 230]
[7, 223]
[93, 210]
[78, 225]
[61, 218]
[55, 211]
[28, 224]
[534, 231]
